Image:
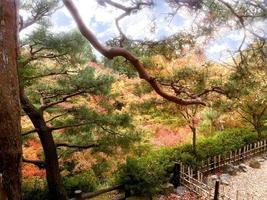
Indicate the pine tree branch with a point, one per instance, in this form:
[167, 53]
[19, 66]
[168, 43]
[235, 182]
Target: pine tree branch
[29, 132]
[213, 89]
[37, 16]
[44, 56]
[183, 90]
[245, 118]
[47, 75]
[65, 98]
[57, 116]
[88, 146]
[38, 163]
[72, 125]
[240, 18]
[116, 51]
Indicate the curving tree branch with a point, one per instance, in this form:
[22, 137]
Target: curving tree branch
[117, 51]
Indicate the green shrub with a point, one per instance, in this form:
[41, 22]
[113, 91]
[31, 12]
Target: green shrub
[100, 168]
[148, 174]
[143, 175]
[224, 141]
[34, 189]
[85, 181]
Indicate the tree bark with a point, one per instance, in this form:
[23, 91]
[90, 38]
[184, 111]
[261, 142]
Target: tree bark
[257, 127]
[194, 138]
[10, 136]
[256, 121]
[55, 184]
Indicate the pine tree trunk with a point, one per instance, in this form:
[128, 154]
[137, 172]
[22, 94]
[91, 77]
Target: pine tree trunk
[55, 185]
[10, 136]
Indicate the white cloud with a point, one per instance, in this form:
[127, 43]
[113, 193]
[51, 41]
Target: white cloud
[101, 20]
[93, 14]
[217, 48]
[138, 26]
[235, 36]
[23, 34]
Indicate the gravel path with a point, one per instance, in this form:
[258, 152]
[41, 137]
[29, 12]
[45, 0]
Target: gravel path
[250, 185]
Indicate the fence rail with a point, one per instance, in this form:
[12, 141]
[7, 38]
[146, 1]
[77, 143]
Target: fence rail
[193, 180]
[247, 151]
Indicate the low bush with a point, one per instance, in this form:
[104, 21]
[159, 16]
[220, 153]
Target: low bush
[143, 175]
[34, 189]
[85, 181]
[147, 175]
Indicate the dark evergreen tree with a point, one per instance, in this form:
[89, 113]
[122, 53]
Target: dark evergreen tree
[58, 85]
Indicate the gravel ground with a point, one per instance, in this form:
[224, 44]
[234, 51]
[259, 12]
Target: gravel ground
[250, 185]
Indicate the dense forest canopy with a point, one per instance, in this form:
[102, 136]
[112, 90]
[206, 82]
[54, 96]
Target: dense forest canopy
[113, 92]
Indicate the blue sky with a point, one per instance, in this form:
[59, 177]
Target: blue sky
[101, 20]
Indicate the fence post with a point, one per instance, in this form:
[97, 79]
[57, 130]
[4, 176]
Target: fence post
[127, 193]
[213, 165]
[78, 194]
[176, 178]
[216, 192]
[237, 196]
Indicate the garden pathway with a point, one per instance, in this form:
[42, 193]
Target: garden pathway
[250, 185]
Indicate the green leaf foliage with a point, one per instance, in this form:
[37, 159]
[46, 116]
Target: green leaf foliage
[148, 174]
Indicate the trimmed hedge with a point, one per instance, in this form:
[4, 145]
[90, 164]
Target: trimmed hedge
[147, 175]
[85, 181]
[36, 188]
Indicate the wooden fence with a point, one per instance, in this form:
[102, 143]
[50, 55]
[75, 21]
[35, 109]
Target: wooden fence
[193, 179]
[247, 151]
[194, 182]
